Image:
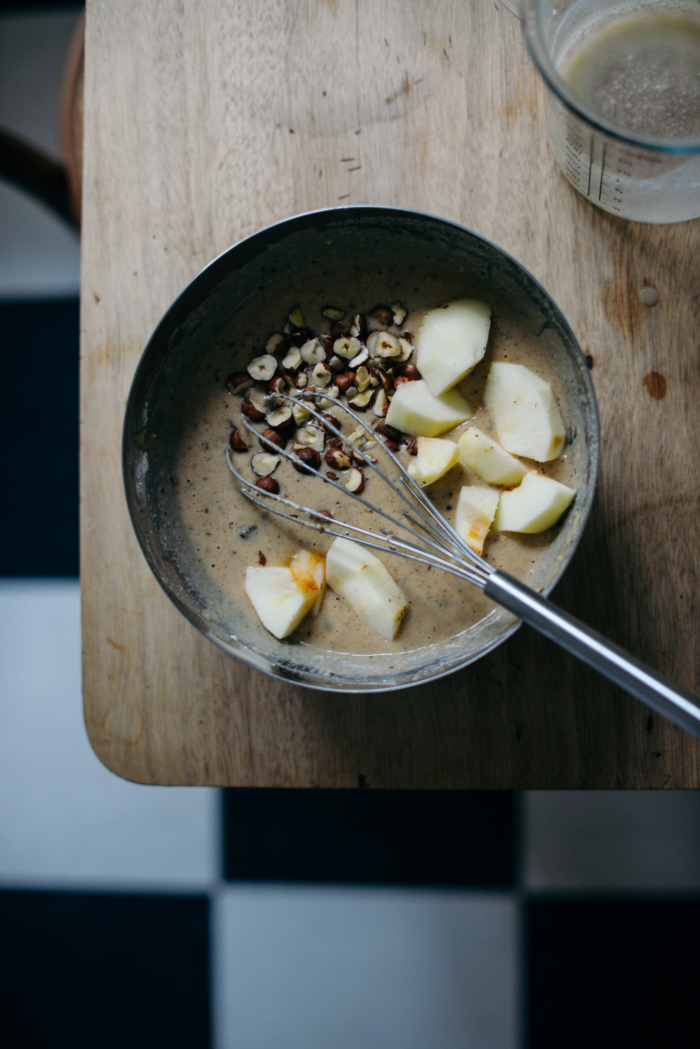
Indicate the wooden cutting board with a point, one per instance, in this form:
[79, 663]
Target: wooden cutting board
[206, 122]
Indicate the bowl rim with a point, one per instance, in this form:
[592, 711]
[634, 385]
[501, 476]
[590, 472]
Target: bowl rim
[193, 294]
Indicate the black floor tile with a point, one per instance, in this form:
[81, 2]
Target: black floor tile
[612, 973]
[37, 7]
[82, 970]
[39, 436]
[370, 837]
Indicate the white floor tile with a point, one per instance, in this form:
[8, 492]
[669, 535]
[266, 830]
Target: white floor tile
[64, 818]
[313, 968]
[39, 255]
[617, 840]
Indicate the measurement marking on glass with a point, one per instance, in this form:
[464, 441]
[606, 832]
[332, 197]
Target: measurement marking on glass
[590, 166]
[573, 157]
[602, 169]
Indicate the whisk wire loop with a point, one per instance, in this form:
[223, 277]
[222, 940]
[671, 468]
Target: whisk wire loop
[444, 532]
[390, 542]
[436, 539]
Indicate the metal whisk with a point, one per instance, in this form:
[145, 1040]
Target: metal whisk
[429, 539]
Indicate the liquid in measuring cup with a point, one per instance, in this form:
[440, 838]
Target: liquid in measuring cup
[640, 73]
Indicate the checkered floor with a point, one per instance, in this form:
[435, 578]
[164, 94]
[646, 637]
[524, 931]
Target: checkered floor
[147, 916]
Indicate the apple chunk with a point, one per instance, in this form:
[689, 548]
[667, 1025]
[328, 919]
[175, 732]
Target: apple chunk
[309, 569]
[476, 508]
[433, 459]
[415, 410]
[363, 581]
[524, 411]
[533, 507]
[451, 340]
[488, 460]
[282, 596]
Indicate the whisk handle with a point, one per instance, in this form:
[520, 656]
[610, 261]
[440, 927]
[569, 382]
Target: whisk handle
[674, 703]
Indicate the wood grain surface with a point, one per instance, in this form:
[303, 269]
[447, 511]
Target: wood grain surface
[205, 122]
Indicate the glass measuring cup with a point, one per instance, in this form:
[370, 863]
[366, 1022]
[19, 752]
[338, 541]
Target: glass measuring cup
[640, 171]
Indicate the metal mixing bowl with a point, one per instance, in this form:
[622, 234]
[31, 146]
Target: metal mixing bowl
[160, 388]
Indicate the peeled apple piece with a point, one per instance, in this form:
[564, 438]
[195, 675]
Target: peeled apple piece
[310, 569]
[524, 411]
[433, 459]
[282, 596]
[415, 410]
[488, 460]
[363, 581]
[476, 508]
[451, 340]
[533, 507]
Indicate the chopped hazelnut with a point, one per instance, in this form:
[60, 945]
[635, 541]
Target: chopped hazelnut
[264, 463]
[339, 330]
[312, 351]
[280, 418]
[347, 347]
[361, 401]
[308, 460]
[387, 431]
[338, 458]
[251, 409]
[309, 436]
[330, 420]
[268, 484]
[383, 344]
[300, 413]
[321, 374]
[270, 436]
[382, 376]
[380, 404]
[277, 344]
[276, 385]
[356, 481]
[292, 360]
[382, 314]
[345, 380]
[359, 434]
[236, 442]
[238, 382]
[262, 368]
[362, 378]
[358, 328]
[411, 373]
[406, 349]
